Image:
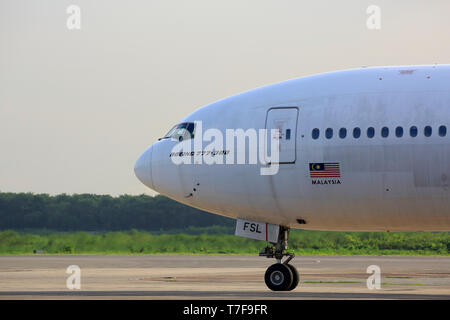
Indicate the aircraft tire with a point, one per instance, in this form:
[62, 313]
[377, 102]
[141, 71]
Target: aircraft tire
[295, 279]
[279, 277]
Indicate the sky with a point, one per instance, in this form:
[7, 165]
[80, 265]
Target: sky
[78, 106]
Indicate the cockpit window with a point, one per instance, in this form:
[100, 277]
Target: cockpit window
[182, 131]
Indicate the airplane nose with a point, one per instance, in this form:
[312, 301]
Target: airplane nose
[143, 168]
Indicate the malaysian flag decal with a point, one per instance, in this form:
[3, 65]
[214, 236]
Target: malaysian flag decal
[324, 170]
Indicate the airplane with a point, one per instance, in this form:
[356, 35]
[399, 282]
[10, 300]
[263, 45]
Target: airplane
[365, 149]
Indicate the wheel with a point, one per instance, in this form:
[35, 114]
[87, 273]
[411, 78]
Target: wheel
[278, 277]
[295, 277]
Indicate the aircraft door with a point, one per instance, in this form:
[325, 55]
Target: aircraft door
[284, 120]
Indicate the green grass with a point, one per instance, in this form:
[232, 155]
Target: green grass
[212, 241]
[401, 284]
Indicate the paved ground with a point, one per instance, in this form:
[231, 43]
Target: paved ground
[219, 277]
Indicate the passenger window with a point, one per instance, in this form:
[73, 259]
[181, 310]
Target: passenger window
[356, 132]
[288, 134]
[442, 131]
[315, 133]
[370, 132]
[413, 131]
[329, 133]
[427, 131]
[385, 132]
[399, 132]
[342, 133]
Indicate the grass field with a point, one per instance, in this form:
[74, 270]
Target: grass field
[218, 240]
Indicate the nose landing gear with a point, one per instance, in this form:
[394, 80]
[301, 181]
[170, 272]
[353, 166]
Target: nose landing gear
[280, 276]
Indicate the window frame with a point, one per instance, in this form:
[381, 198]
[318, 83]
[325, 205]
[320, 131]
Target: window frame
[186, 126]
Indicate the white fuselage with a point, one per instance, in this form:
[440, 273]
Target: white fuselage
[396, 183]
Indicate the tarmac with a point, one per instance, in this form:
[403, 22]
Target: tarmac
[219, 277]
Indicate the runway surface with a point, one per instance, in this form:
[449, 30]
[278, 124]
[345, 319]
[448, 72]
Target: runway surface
[219, 277]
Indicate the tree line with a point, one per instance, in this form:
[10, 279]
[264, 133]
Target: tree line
[89, 212]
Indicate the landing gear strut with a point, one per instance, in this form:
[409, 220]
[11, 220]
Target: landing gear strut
[280, 276]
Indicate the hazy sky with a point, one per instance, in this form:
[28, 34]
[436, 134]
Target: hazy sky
[77, 107]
